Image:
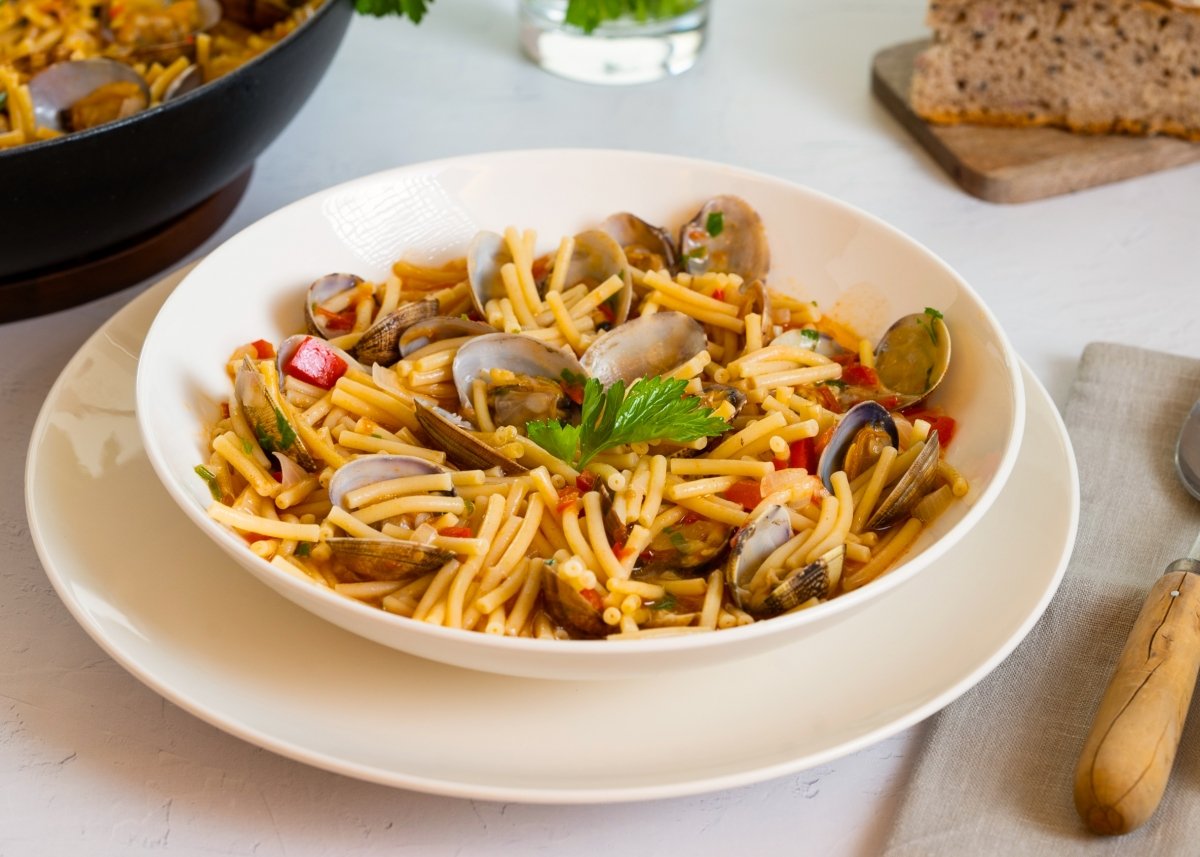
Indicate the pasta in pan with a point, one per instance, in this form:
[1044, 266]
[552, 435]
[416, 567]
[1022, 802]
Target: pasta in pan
[627, 437]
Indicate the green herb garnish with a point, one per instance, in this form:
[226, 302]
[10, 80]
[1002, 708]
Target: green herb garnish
[696, 252]
[590, 14]
[677, 539]
[840, 385]
[209, 477]
[303, 549]
[414, 10]
[263, 441]
[934, 315]
[715, 223]
[667, 602]
[3, 99]
[812, 336]
[655, 409]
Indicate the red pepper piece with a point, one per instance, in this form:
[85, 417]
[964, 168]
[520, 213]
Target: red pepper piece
[859, 375]
[689, 518]
[945, 426]
[749, 494]
[585, 481]
[314, 363]
[455, 532]
[802, 453]
[822, 440]
[592, 597]
[567, 497]
[343, 320]
[263, 349]
[719, 294]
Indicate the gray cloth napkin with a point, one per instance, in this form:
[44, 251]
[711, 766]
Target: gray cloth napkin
[995, 775]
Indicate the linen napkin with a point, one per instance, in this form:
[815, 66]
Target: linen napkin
[995, 774]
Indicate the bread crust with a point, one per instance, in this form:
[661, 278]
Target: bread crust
[1095, 67]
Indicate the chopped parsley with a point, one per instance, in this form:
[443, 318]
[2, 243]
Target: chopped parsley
[303, 549]
[209, 477]
[833, 382]
[667, 602]
[810, 334]
[929, 326]
[715, 223]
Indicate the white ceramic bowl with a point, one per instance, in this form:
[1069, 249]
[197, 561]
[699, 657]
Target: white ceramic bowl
[858, 268]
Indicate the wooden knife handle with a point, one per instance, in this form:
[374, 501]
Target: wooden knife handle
[1127, 757]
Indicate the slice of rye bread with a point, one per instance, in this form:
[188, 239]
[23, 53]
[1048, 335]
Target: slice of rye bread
[1095, 67]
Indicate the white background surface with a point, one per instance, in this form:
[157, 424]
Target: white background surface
[92, 762]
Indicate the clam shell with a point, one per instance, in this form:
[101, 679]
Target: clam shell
[909, 488]
[815, 580]
[752, 545]
[462, 447]
[381, 342]
[570, 609]
[486, 255]
[267, 417]
[54, 90]
[912, 357]
[437, 328]
[321, 290]
[861, 416]
[596, 257]
[641, 241]
[376, 468]
[387, 559]
[521, 355]
[644, 347]
[739, 248]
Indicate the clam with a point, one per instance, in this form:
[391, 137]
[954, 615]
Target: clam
[382, 558]
[452, 434]
[596, 257]
[486, 255]
[647, 247]
[644, 347]
[766, 593]
[381, 341]
[189, 79]
[687, 550]
[319, 322]
[912, 357]
[726, 236]
[909, 488]
[568, 608]
[857, 441]
[524, 377]
[264, 409]
[437, 328]
[79, 94]
[813, 340]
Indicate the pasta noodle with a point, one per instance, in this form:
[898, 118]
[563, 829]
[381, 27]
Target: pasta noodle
[416, 485]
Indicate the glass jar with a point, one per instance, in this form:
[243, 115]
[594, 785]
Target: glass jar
[626, 50]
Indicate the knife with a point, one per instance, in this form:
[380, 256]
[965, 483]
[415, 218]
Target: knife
[1127, 758]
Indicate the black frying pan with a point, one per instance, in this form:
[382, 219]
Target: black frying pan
[62, 200]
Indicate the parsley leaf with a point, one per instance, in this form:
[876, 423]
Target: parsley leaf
[590, 14]
[714, 225]
[933, 315]
[667, 602]
[654, 409]
[413, 9]
[209, 477]
[303, 549]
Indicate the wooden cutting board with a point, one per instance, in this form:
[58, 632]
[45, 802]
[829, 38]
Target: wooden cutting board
[1020, 164]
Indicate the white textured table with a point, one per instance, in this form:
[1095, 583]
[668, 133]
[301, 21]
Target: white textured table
[92, 762]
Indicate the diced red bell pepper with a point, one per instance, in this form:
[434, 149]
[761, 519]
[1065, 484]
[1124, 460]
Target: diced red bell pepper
[263, 349]
[719, 294]
[689, 518]
[829, 399]
[822, 440]
[859, 375]
[343, 320]
[802, 453]
[942, 424]
[567, 497]
[592, 597]
[315, 363]
[748, 494]
[455, 532]
[585, 481]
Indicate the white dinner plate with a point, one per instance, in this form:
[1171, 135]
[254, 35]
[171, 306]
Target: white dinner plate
[168, 605]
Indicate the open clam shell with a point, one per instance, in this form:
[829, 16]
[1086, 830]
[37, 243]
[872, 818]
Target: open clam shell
[486, 255]
[416, 336]
[646, 247]
[726, 236]
[371, 469]
[644, 347]
[815, 580]
[381, 342]
[452, 435]
[908, 490]
[596, 257]
[539, 368]
[857, 441]
[321, 290]
[264, 410]
[64, 85]
[751, 546]
[570, 609]
[912, 357]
